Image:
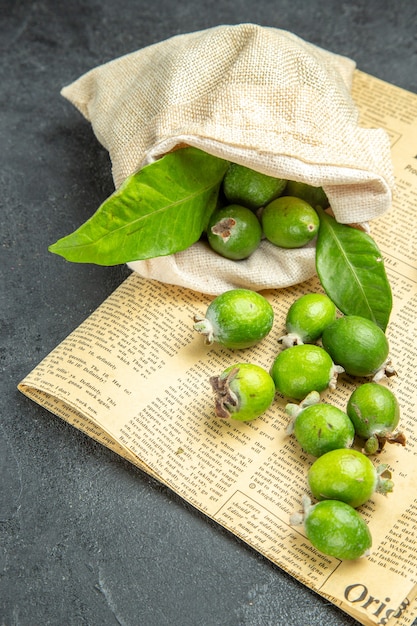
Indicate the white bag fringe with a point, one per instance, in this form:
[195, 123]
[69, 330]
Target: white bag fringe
[257, 96]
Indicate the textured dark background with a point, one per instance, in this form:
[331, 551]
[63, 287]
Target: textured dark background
[85, 538]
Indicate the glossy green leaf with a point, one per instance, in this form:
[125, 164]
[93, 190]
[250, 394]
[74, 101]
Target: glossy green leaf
[352, 271]
[160, 210]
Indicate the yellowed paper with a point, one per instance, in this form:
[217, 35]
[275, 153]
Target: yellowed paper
[135, 376]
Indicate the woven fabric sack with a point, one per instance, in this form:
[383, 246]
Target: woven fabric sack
[258, 96]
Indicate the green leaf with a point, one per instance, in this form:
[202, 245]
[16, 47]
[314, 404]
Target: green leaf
[160, 210]
[352, 271]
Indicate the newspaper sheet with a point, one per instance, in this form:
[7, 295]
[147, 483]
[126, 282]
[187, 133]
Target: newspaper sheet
[135, 376]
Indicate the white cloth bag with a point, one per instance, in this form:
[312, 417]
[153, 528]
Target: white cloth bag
[258, 96]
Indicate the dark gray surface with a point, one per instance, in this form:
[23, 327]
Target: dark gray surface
[85, 538]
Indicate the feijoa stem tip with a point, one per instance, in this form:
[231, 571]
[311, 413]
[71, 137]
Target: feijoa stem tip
[225, 399]
[204, 327]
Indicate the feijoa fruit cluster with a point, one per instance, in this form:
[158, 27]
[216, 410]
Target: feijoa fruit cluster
[255, 205]
[340, 478]
[318, 345]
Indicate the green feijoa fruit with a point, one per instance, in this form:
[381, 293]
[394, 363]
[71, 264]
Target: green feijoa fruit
[347, 475]
[375, 414]
[359, 346]
[319, 427]
[298, 370]
[234, 232]
[289, 222]
[307, 317]
[236, 319]
[335, 529]
[313, 195]
[242, 185]
[242, 392]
